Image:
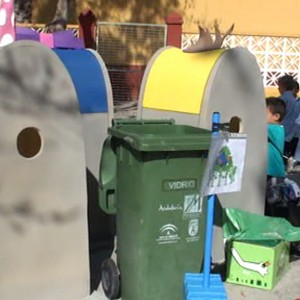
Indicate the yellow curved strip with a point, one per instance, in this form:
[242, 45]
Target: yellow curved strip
[177, 80]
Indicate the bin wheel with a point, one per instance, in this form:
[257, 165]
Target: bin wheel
[110, 278]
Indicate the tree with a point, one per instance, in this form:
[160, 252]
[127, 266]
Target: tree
[63, 8]
[61, 17]
[23, 12]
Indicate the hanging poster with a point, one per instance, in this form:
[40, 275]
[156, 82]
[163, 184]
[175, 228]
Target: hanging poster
[225, 164]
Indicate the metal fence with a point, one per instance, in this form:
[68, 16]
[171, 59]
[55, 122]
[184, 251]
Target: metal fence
[126, 48]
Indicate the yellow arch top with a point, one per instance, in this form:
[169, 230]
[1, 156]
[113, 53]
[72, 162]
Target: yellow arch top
[177, 80]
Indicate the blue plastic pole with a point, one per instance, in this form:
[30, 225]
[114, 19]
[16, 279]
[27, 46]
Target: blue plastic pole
[210, 217]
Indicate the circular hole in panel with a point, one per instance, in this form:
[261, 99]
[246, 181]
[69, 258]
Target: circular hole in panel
[235, 124]
[29, 142]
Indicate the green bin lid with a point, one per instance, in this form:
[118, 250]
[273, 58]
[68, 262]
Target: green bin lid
[160, 135]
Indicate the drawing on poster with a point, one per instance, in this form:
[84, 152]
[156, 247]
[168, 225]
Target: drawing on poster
[224, 170]
[225, 165]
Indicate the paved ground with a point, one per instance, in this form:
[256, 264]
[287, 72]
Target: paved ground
[288, 288]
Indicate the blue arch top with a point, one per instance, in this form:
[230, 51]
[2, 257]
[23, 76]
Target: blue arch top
[88, 79]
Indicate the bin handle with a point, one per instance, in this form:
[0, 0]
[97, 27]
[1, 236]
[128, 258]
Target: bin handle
[120, 122]
[107, 177]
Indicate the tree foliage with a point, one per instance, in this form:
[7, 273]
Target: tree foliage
[24, 9]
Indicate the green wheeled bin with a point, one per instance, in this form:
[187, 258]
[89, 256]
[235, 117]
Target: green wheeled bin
[150, 176]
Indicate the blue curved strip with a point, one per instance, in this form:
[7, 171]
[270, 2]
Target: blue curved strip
[88, 79]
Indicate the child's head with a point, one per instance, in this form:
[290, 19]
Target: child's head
[276, 109]
[286, 83]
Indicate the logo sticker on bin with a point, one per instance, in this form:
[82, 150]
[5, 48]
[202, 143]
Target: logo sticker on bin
[193, 230]
[181, 184]
[193, 227]
[170, 207]
[168, 234]
[192, 205]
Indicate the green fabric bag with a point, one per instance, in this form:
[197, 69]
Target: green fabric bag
[242, 225]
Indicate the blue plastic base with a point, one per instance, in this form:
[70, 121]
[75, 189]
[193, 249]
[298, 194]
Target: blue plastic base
[194, 290]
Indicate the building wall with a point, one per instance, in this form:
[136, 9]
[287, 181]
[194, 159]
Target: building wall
[255, 17]
[269, 29]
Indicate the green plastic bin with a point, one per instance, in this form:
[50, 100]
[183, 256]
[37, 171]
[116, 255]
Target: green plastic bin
[150, 176]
